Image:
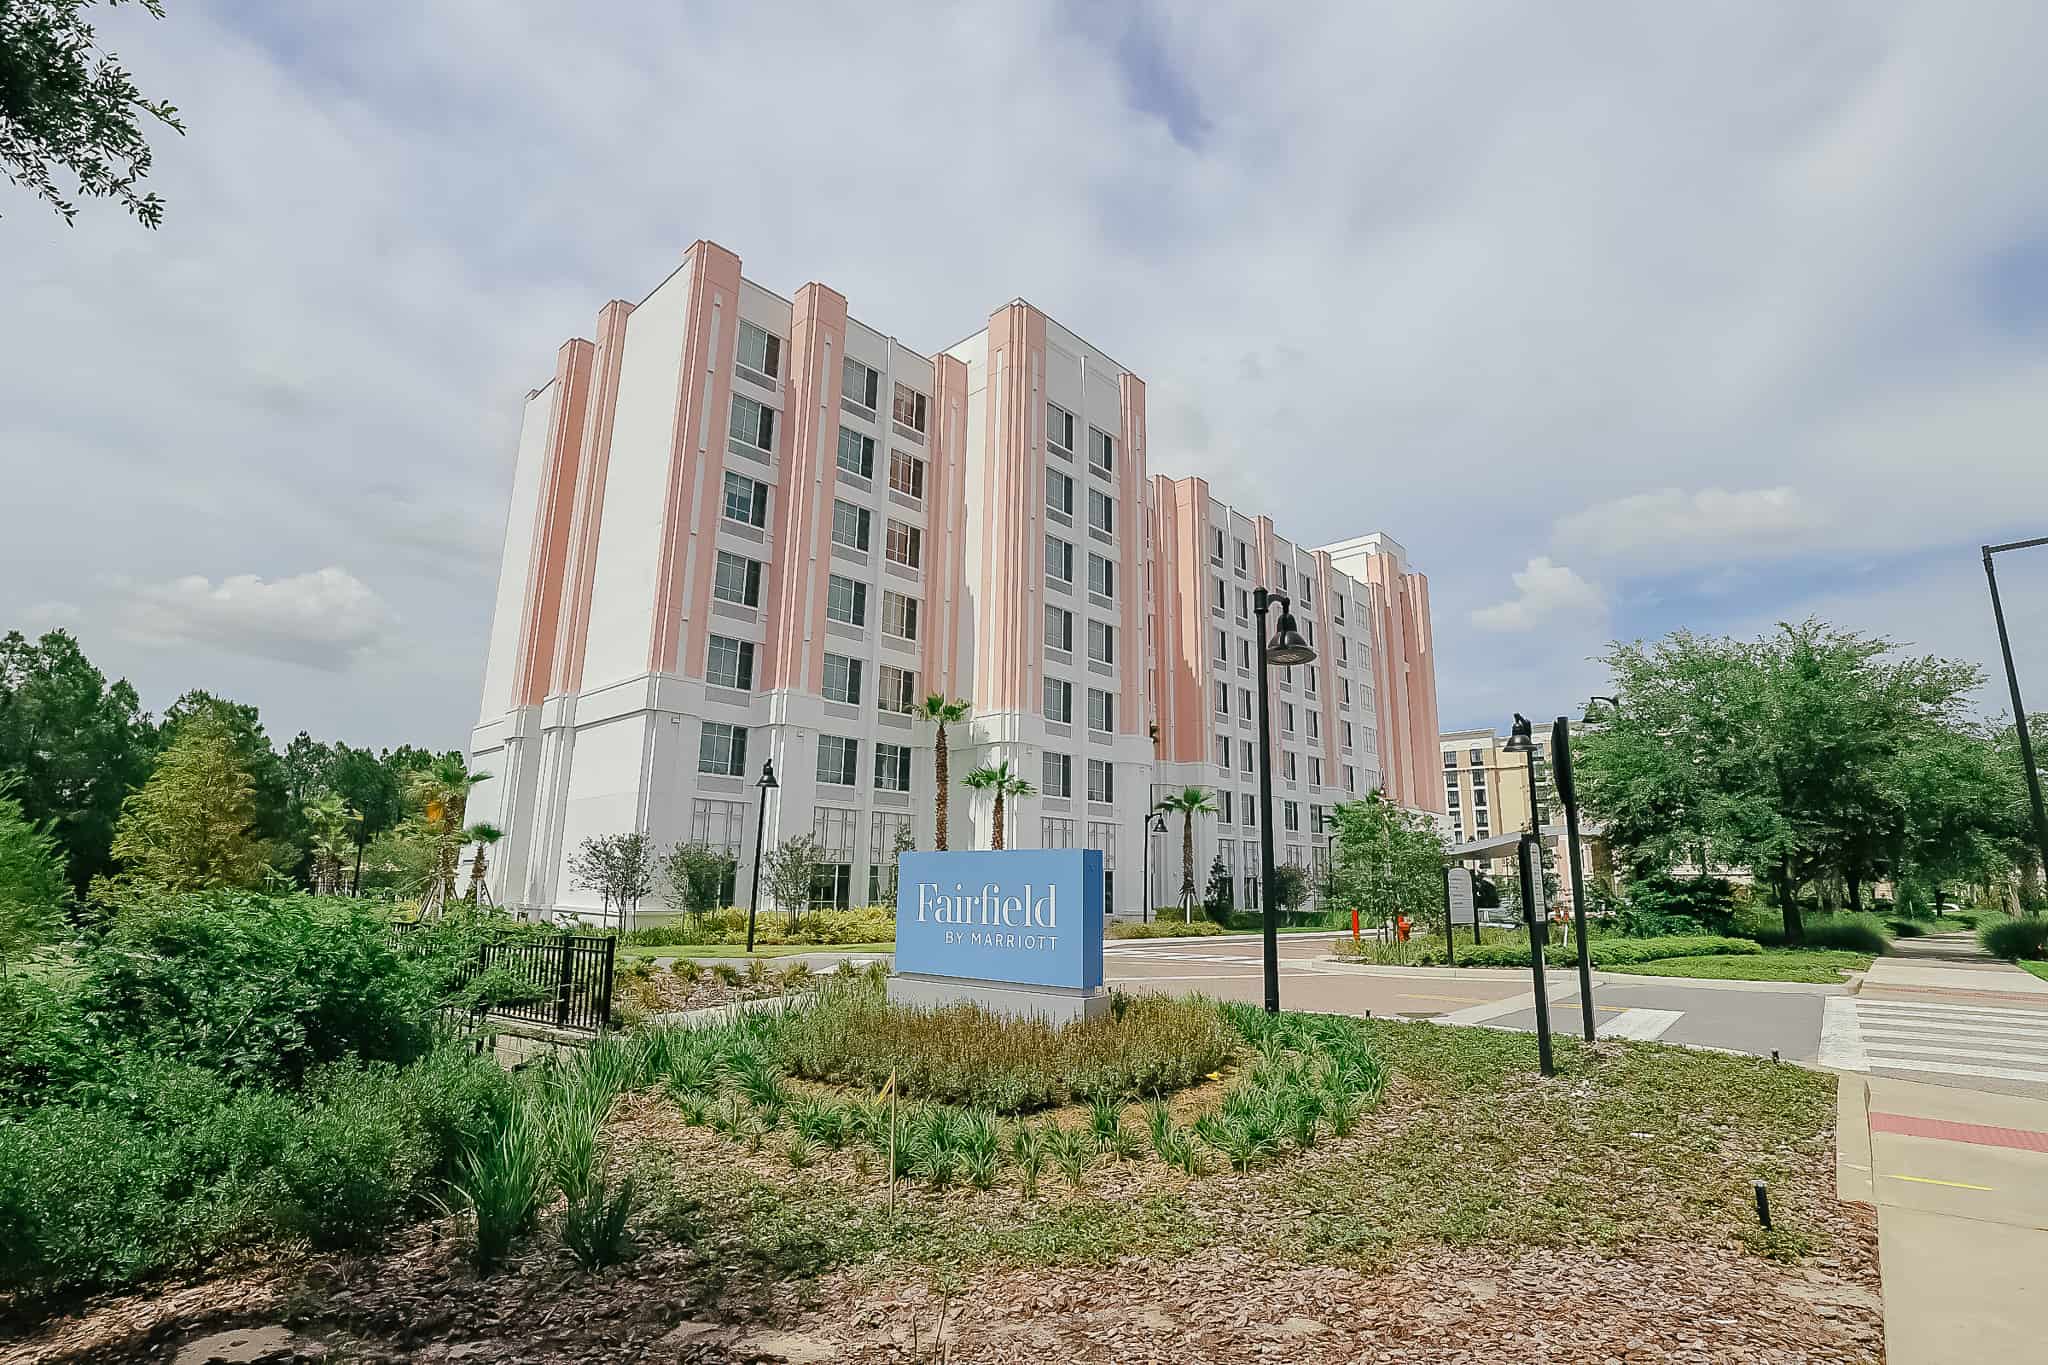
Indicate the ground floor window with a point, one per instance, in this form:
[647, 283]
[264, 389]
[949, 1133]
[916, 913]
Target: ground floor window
[831, 886]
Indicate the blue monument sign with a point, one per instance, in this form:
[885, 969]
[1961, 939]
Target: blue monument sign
[1018, 931]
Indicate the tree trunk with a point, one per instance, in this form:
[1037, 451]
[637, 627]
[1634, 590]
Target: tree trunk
[996, 839]
[939, 772]
[1855, 891]
[1788, 901]
[1187, 860]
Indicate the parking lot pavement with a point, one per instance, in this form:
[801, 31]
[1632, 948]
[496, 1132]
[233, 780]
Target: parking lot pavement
[1731, 1016]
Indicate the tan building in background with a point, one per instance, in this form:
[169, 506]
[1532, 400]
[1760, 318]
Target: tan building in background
[1486, 796]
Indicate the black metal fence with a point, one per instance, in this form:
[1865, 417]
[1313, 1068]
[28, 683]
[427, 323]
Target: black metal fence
[566, 980]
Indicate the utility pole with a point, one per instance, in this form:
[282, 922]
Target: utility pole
[2019, 708]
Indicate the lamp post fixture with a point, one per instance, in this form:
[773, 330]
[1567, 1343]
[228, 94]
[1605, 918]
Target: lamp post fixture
[1520, 742]
[1613, 705]
[2019, 708]
[1285, 650]
[766, 784]
[1156, 825]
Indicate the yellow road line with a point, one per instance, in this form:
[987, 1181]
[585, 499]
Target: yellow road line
[1467, 999]
[1952, 1184]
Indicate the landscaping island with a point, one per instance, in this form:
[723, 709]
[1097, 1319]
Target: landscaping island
[1178, 1178]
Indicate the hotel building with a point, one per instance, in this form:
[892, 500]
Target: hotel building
[748, 530]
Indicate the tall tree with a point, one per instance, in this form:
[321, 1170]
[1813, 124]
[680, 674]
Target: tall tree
[67, 105]
[941, 711]
[34, 892]
[1187, 804]
[1387, 861]
[997, 779]
[76, 744]
[1782, 753]
[791, 871]
[192, 826]
[443, 788]
[697, 875]
[242, 726]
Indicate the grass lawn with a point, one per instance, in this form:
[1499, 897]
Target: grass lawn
[739, 950]
[1773, 964]
[2039, 969]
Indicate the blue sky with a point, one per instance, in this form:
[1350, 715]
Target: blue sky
[1620, 318]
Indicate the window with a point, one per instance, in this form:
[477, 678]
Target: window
[1101, 710]
[1059, 560]
[1059, 701]
[1280, 575]
[1337, 609]
[1290, 816]
[1101, 576]
[838, 760]
[903, 544]
[849, 525]
[1216, 602]
[1102, 642]
[1343, 650]
[906, 474]
[842, 679]
[1244, 653]
[831, 886]
[1059, 492]
[1315, 772]
[1244, 607]
[846, 601]
[1248, 811]
[1350, 778]
[1244, 754]
[1476, 757]
[1451, 799]
[892, 769]
[722, 749]
[1216, 544]
[1101, 780]
[1348, 734]
[856, 453]
[899, 615]
[1314, 674]
[729, 663]
[760, 352]
[1240, 556]
[1287, 766]
[1054, 832]
[753, 428]
[1059, 629]
[859, 386]
[1059, 427]
[1244, 702]
[738, 579]
[1223, 699]
[1286, 717]
[1223, 751]
[896, 689]
[746, 500]
[1056, 775]
[1315, 725]
[1101, 451]
[1222, 647]
[1226, 804]
[909, 409]
[1101, 511]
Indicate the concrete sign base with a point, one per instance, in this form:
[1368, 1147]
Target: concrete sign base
[1054, 1004]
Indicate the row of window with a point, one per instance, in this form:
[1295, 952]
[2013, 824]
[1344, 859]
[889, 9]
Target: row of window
[1059, 434]
[1289, 764]
[1059, 635]
[1059, 567]
[1059, 497]
[1056, 779]
[1059, 706]
[1219, 594]
[722, 752]
[1281, 574]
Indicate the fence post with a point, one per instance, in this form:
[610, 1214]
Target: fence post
[604, 997]
[566, 977]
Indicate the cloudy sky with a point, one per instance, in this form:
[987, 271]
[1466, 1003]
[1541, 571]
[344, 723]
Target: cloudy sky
[1620, 317]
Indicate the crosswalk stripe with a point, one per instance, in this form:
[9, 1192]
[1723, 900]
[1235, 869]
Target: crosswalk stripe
[1931, 1007]
[1639, 1024]
[1996, 1073]
[1948, 1026]
[1880, 1037]
[1879, 1052]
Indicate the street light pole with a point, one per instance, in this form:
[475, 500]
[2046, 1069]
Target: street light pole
[1153, 823]
[1567, 793]
[1520, 741]
[766, 784]
[1286, 650]
[2019, 708]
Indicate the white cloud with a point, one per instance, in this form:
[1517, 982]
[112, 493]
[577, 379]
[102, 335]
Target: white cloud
[52, 615]
[1545, 593]
[1671, 525]
[325, 620]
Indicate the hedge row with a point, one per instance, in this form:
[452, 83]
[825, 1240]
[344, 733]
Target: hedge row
[1605, 952]
[1200, 928]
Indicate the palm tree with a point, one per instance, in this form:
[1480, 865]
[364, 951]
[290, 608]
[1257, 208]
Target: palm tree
[327, 818]
[483, 834]
[941, 711]
[443, 788]
[1005, 784]
[1187, 804]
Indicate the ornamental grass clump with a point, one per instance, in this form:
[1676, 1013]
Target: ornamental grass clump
[849, 1034]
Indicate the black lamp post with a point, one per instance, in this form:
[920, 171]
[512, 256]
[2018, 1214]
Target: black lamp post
[2019, 708]
[1567, 793]
[1612, 705]
[766, 784]
[1286, 649]
[1156, 825]
[1520, 742]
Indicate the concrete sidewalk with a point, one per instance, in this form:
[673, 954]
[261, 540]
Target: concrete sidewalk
[1959, 1178]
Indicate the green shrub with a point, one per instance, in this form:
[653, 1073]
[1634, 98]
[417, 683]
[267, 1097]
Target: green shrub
[1664, 906]
[2015, 940]
[862, 924]
[1165, 929]
[1604, 952]
[502, 1180]
[851, 1035]
[1852, 933]
[1905, 928]
[594, 1220]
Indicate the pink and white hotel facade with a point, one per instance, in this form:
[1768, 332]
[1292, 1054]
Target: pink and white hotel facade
[749, 530]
